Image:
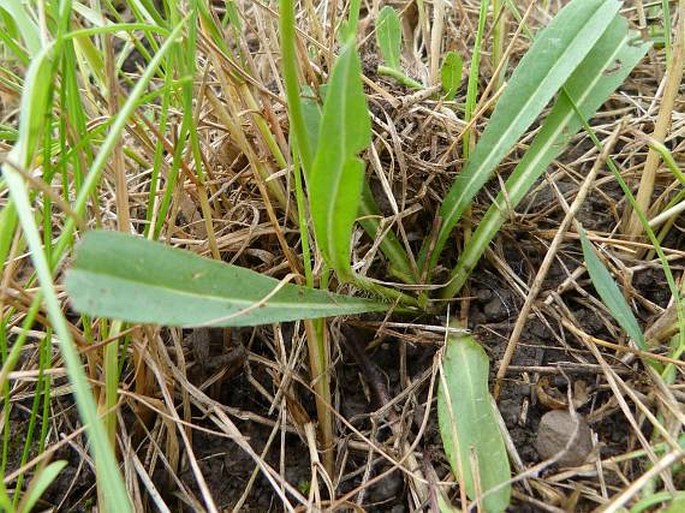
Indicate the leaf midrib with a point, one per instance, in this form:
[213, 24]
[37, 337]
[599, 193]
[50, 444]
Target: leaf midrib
[212, 297]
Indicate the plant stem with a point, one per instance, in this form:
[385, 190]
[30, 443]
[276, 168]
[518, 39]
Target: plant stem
[400, 77]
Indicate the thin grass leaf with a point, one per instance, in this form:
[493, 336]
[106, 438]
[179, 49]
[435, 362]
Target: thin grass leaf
[389, 36]
[133, 99]
[450, 74]
[5, 502]
[597, 77]
[28, 28]
[554, 55]
[137, 280]
[468, 425]
[105, 460]
[33, 108]
[610, 294]
[41, 482]
[336, 178]
[473, 76]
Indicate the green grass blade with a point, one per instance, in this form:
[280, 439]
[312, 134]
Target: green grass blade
[468, 425]
[41, 483]
[389, 36]
[28, 28]
[589, 87]
[474, 74]
[611, 295]
[337, 175]
[369, 212]
[33, 108]
[554, 55]
[289, 58]
[32, 120]
[133, 279]
[113, 136]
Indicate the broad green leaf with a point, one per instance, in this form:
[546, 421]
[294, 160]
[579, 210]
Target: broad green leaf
[41, 482]
[450, 74]
[337, 175]
[133, 279]
[389, 36]
[468, 425]
[553, 56]
[610, 294]
[590, 85]
[311, 113]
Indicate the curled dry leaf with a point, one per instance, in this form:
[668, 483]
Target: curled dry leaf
[554, 398]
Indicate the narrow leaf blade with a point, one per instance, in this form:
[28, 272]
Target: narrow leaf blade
[389, 36]
[468, 424]
[137, 280]
[337, 175]
[590, 85]
[555, 53]
[41, 482]
[610, 294]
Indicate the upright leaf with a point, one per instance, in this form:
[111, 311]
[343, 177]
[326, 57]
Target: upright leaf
[133, 279]
[336, 178]
[41, 482]
[555, 53]
[27, 26]
[450, 74]
[610, 294]
[389, 36]
[590, 85]
[468, 426]
[369, 212]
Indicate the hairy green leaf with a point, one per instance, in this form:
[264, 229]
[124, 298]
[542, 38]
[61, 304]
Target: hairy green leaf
[337, 175]
[133, 279]
[555, 53]
[468, 425]
[590, 85]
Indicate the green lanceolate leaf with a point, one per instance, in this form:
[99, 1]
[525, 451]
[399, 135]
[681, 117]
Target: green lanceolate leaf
[369, 213]
[610, 294]
[336, 178]
[555, 53]
[590, 85]
[389, 36]
[450, 74]
[468, 425]
[137, 280]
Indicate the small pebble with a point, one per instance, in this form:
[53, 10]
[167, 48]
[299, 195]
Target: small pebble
[555, 430]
